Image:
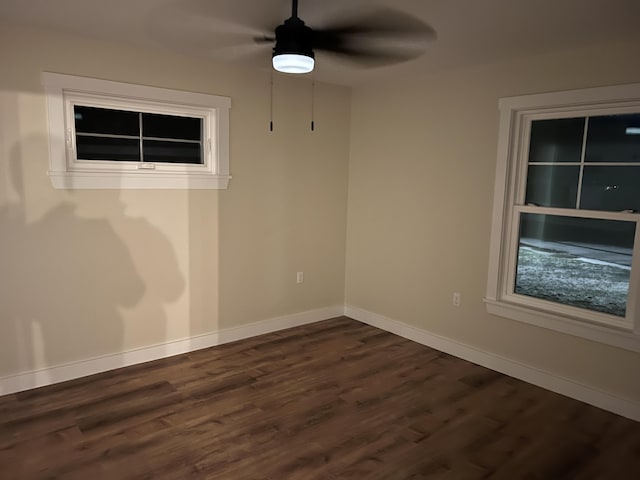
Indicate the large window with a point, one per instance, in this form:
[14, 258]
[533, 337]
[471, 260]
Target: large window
[115, 135]
[565, 239]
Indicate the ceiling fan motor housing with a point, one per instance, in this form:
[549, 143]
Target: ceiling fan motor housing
[294, 37]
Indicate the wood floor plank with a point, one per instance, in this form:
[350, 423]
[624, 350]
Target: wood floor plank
[327, 401]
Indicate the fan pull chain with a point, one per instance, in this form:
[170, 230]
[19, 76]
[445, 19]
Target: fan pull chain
[271, 105]
[313, 104]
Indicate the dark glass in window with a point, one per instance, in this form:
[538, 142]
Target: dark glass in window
[611, 188]
[171, 126]
[104, 148]
[172, 152]
[614, 138]
[552, 186]
[557, 140]
[106, 121]
[581, 262]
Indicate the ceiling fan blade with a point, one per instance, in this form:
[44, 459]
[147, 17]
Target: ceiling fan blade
[383, 21]
[187, 30]
[264, 39]
[260, 17]
[371, 58]
[380, 37]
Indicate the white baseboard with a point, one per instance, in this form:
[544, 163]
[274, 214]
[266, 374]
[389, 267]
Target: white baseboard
[564, 386]
[541, 378]
[62, 373]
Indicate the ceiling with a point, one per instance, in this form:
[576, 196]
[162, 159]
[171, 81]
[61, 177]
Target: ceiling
[468, 31]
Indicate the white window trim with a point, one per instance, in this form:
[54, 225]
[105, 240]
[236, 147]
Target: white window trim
[515, 116]
[66, 172]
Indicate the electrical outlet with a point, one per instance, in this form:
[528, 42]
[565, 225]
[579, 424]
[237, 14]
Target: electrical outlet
[299, 277]
[457, 298]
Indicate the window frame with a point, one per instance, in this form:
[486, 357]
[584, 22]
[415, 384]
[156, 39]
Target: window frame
[85, 100]
[516, 115]
[66, 171]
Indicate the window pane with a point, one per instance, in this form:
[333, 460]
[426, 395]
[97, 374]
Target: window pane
[552, 186]
[104, 148]
[611, 188]
[558, 140]
[614, 138]
[575, 261]
[106, 121]
[169, 126]
[172, 152]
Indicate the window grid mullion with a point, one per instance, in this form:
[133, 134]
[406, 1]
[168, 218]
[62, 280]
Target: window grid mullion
[583, 154]
[174, 140]
[141, 133]
[572, 212]
[588, 164]
[107, 135]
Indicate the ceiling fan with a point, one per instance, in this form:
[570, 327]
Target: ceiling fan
[376, 38]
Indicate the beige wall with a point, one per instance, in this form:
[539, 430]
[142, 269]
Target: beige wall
[422, 165]
[88, 273]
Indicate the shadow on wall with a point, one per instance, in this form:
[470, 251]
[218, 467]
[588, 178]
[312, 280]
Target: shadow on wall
[67, 279]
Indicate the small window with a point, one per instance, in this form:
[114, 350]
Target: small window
[115, 135]
[104, 134]
[565, 239]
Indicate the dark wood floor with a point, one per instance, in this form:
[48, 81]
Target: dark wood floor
[332, 400]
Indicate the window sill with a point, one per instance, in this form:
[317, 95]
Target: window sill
[137, 180]
[597, 333]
